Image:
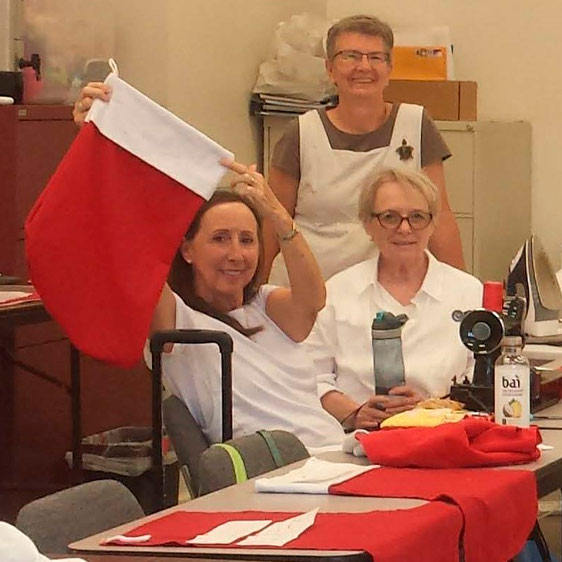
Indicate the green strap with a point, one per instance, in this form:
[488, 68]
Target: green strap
[272, 446]
[237, 462]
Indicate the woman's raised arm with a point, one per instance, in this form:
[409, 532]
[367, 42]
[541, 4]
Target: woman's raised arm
[293, 309]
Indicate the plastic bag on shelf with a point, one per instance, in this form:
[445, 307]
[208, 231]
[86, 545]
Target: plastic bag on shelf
[296, 64]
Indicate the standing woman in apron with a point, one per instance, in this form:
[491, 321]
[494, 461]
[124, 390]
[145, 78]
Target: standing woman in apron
[324, 158]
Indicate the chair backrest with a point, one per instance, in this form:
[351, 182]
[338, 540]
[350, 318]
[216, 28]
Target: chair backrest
[246, 457]
[187, 438]
[54, 521]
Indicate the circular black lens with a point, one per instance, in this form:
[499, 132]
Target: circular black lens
[481, 331]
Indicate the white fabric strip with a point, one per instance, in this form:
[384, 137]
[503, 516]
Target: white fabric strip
[314, 477]
[159, 138]
[282, 532]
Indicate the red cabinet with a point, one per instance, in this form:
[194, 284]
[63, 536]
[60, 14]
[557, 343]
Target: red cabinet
[33, 139]
[35, 415]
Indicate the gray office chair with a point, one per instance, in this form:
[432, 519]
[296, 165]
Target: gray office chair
[54, 521]
[246, 457]
[187, 438]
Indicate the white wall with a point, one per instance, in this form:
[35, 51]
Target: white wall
[200, 58]
[512, 49]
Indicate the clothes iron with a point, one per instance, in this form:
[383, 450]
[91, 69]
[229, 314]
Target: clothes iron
[531, 275]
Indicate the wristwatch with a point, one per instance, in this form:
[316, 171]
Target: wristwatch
[290, 235]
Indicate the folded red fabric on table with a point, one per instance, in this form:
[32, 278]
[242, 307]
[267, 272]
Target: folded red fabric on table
[429, 533]
[471, 442]
[499, 506]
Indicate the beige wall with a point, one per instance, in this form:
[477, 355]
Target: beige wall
[512, 49]
[200, 58]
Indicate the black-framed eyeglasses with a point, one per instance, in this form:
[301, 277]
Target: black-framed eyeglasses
[391, 220]
[351, 57]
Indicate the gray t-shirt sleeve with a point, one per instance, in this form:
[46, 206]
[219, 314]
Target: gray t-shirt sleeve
[433, 145]
[286, 154]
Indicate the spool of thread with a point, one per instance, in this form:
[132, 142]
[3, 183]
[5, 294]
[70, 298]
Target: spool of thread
[493, 296]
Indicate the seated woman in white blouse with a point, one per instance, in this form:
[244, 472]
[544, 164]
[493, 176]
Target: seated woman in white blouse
[399, 211]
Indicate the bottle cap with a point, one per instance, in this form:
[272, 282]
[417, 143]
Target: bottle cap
[512, 341]
[493, 296]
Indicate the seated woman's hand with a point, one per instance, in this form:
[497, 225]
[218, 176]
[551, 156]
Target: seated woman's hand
[402, 398]
[90, 92]
[372, 412]
[379, 407]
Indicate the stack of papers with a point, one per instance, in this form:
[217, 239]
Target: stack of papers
[270, 104]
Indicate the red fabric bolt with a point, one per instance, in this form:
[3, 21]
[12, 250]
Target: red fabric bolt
[499, 506]
[100, 241]
[493, 296]
[429, 533]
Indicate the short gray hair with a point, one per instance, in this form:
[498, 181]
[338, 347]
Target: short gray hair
[366, 25]
[404, 176]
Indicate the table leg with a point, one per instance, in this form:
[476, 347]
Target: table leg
[7, 413]
[77, 475]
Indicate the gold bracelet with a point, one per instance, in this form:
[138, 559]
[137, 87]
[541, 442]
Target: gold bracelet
[290, 235]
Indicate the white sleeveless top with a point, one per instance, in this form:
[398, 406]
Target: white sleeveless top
[329, 188]
[273, 379]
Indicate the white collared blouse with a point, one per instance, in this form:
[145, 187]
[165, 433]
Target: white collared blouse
[433, 353]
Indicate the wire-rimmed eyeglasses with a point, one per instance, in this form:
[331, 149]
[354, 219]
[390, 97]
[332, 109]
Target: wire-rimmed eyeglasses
[392, 220]
[351, 57]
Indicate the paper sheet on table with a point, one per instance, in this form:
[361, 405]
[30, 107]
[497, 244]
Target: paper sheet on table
[127, 540]
[229, 532]
[282, 532]
[12, 298]
[314, 477]
[10, 295]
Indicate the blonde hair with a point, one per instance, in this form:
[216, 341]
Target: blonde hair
[366, 25]
[404, 176]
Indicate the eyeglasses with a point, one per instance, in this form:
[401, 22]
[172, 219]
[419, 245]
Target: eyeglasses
[391, 220]
[354, 58]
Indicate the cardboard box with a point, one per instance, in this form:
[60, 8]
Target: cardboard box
[447, 100]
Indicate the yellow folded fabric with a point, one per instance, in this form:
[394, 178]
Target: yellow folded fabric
[423, 417]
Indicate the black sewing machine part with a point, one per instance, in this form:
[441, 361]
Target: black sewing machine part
[481, 331]
[513, 315]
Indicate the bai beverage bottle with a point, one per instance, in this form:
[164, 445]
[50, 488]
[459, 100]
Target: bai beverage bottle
[512, 380]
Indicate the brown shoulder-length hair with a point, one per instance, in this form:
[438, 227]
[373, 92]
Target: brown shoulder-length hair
[181, 278]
